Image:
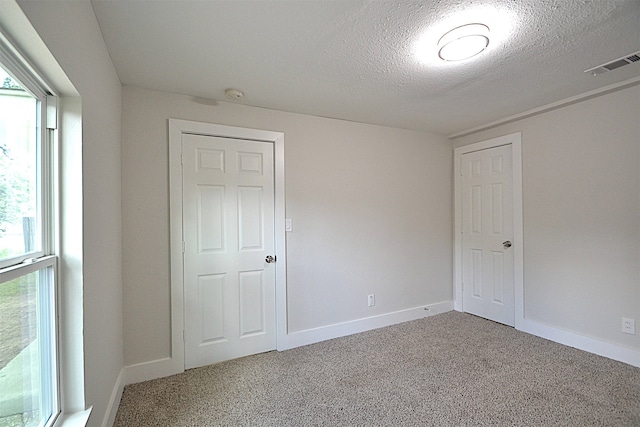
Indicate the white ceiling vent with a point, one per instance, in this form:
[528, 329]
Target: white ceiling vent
[609, 66]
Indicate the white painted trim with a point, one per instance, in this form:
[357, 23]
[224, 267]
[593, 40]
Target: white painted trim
[323, 333]
[549, 107]
[515, 140]
[147, 371]
[175, 363]
[176, 360]
[281, 243]
[114, 400]
[582, 342]
[150, 370]
[518, 231]
[74, 419]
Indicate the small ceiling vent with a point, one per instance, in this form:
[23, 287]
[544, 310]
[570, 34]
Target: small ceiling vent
[609, 66]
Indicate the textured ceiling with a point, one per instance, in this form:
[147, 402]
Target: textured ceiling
[355, 60]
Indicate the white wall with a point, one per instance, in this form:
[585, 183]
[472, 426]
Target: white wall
[71, 32]
[581, 191]
[371, 210]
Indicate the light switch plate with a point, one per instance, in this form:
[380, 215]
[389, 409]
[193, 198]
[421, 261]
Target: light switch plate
[288, 226]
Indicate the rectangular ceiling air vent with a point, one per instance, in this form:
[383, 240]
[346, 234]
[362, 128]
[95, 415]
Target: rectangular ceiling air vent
[609, 66]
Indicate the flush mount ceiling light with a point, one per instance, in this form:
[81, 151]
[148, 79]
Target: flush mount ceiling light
[463, 42]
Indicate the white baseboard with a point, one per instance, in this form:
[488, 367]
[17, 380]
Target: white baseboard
[169, 366]
[151, 370]
[114, 401]
[312, 336]
[582, 342]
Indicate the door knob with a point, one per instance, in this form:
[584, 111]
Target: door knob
[506, 244]
[269, 259]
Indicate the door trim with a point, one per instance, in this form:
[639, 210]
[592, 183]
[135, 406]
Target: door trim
[515, 140]
[176, 129]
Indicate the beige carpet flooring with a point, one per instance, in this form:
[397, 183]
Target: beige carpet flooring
[452, 369]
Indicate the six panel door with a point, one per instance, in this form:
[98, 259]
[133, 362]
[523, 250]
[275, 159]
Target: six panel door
[487, 234]
[228, 228]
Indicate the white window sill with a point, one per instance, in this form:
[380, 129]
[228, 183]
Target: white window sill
[75, 419]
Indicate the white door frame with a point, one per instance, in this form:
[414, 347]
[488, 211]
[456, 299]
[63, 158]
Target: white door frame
[176, 129]
[515, 140]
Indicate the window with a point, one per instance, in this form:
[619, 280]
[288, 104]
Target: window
[28, 333]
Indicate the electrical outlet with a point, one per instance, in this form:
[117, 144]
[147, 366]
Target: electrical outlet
[371, 300]
[628, 326]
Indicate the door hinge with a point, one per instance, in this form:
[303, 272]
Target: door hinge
[184, 245]
[182, 158]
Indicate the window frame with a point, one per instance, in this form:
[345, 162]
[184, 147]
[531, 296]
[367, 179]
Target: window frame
[47, 229]
[46, 126]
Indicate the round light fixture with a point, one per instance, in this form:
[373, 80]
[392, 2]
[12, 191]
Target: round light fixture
[463, 42]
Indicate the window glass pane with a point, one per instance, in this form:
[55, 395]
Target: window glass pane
[27, 353]
[19, 187]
